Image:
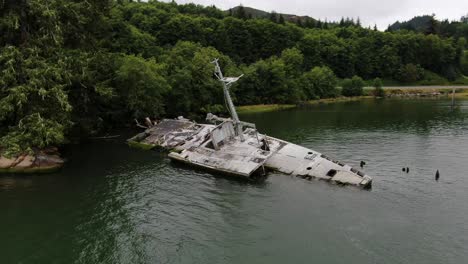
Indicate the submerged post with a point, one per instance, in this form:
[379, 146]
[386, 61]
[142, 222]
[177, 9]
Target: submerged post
[453, 98]
[227, 82]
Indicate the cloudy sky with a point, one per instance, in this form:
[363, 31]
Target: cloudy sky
[380, 12]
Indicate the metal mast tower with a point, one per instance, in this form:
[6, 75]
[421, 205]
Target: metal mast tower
[227, 82]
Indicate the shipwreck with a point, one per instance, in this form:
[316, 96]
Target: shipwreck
[230, 146]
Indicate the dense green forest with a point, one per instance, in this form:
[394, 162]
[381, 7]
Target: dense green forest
[70, 68]
[428, 24]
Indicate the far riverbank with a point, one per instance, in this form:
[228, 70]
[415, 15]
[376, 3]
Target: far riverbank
[391, 91]
[44, 161]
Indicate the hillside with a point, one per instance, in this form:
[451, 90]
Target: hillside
[430, 25]
[418, 23]
[257, 13]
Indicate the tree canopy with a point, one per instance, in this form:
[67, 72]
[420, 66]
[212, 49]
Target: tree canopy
[75, 68]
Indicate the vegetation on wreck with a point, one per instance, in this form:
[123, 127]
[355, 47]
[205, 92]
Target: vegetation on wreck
[71, 69]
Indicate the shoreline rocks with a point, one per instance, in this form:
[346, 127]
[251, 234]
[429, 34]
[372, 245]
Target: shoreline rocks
[428, 94]
[42, 161]
[6, 162]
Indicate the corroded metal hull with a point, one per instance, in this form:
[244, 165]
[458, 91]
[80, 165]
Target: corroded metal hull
[218, 148]
[308, 164]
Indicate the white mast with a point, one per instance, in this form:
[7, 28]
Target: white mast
[227, 82]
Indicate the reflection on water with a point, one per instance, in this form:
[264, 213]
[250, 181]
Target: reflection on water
[113, 204]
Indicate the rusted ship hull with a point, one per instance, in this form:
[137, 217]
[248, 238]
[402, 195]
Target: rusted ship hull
[216, 148]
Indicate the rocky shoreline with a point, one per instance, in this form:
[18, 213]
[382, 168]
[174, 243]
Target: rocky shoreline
[416, 94]
[41, 161]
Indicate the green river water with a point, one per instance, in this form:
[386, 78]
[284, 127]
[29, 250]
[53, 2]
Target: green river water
[114, 204]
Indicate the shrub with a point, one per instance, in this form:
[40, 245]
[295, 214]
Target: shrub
[464, 63]
[378, 91]
[353, 86]
[32, 131]
[320, 82]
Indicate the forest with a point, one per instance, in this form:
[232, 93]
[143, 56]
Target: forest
[72, 69]
[428, 24]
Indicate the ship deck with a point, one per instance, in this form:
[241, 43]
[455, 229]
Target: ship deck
[196, 144]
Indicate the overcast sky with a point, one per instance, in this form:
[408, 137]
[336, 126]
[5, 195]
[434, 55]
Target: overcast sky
[380, 12]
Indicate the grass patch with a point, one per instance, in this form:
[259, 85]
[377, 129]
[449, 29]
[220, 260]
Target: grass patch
[461, 95]
[276, 107]
[263, 108]
[337, 100]
[462, 80]
[431, 78]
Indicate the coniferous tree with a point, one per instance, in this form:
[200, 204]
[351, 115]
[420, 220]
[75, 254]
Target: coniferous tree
[464, 19]
[325, 24]
[433, 26]
[299, 23]
[342, 22]
[281, 19]
[274, 17]
[240, 12]
[309, 23]
[318, 24]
